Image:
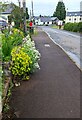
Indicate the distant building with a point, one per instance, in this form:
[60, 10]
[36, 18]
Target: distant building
[45, 20]
[74, 17]
[4, 15]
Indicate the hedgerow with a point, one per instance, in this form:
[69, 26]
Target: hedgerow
[74, 27]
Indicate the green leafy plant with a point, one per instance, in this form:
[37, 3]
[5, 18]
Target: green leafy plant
[75, 27]
[6, 47]
[16, 36]
[30, 49]
[80, 26]
[20, 64]
[9, 40]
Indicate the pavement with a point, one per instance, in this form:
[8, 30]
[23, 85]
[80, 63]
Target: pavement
[54, 90]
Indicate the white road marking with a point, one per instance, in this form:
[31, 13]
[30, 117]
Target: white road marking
[47, 45]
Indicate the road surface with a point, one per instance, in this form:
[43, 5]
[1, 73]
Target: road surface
[69, 41]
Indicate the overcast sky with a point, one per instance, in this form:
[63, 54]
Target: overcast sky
[47, 7]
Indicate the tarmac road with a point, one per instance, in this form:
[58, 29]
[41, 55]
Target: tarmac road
[54, 90]
[71, 42]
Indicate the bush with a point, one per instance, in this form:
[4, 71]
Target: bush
[16, 36]
[20, 64]
[75, 27]
[68, 26]
[71, 27]
[80, 26]
[9, 41]
[28, 23]
[30, 49]
[6, 47]
[24, 59]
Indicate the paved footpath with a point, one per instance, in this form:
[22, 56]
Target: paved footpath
[54, 90]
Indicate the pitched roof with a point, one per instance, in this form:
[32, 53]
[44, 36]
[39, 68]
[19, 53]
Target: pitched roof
[78, 13]
[54, 18]
[45, 19]
[9, 9]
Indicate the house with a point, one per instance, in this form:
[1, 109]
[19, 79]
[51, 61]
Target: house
[36, 18]
[45, 20]
[4, 15]
[74, 17]
[3, 18]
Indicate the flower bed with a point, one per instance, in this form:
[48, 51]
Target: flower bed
[21, 57]
[24, 60]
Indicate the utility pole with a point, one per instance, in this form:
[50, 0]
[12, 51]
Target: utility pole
[32, 9]
[24, 10]
[19, 3]
[30, 15]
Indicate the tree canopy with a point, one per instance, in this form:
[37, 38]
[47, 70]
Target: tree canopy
[17, 15]
[60, 11]
[3, 6]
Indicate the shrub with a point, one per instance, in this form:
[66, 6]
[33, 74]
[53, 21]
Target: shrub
[30, 49]
[20, 64]
[16, 36]
[6, 47]
[9, 41]
[75, 27]
[68, 26]
[80, 26]
[28, 23]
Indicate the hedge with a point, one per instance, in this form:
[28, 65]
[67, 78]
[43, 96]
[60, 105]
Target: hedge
[75, 27]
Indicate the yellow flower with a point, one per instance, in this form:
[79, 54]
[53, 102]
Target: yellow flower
[27, 77]
[29, 69]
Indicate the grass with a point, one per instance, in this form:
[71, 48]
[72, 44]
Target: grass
[35, 31]
[56, 26]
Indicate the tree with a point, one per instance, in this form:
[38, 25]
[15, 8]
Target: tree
[3, 6]
[16, 16]
[60, 12]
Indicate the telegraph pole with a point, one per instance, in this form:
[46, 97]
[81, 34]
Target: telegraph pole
[19, 3]
[24, 10]
[32, 9]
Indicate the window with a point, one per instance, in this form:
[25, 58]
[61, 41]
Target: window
[69, 19]
[75, 14]
[75, 19]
